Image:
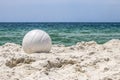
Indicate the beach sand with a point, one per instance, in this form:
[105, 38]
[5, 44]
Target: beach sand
[83, 61]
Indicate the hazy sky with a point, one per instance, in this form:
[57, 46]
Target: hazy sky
[59, 10]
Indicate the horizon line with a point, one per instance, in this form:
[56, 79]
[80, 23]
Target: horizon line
[59, 22]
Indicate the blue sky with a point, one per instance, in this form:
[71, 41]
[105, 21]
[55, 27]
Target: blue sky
[59, 10]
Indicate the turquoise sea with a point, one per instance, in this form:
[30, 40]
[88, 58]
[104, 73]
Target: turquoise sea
[61, 33]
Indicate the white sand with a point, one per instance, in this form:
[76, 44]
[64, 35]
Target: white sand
[83, 61]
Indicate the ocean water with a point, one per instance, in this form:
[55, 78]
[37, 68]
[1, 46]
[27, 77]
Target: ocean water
[62, 33]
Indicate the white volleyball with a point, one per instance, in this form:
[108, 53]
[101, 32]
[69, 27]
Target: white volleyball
[36, 41]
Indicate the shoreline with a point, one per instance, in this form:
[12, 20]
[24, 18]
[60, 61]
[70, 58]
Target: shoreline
[83, 61]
